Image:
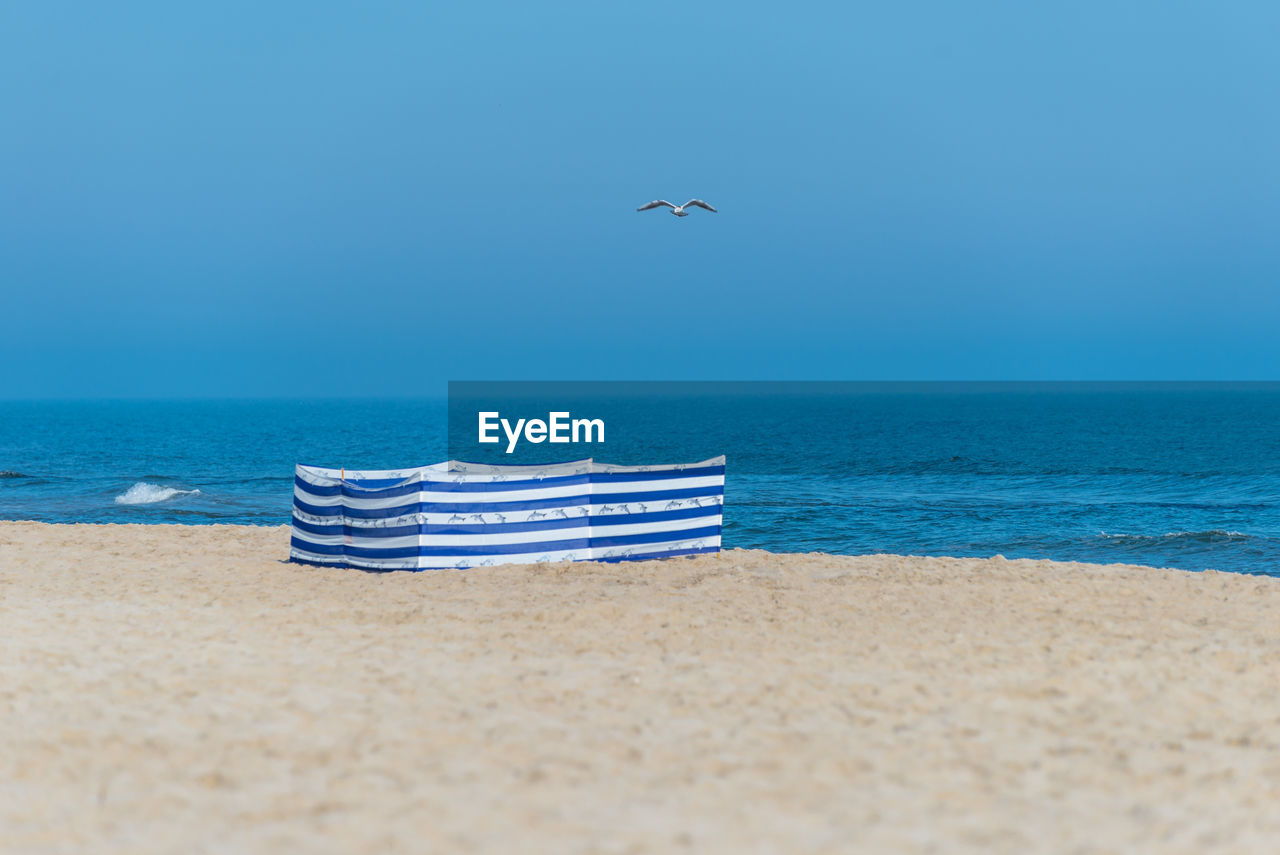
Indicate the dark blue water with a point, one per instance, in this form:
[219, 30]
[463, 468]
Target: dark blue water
[1175, 476]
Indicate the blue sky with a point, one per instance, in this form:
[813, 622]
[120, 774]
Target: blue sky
[373, 198]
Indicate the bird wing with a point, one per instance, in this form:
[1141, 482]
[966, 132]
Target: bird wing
[700, 204]
[656, 203]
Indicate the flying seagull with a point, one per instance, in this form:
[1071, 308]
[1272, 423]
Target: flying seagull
[678, 210]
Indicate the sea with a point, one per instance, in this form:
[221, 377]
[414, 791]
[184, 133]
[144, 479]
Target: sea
[1169, 475]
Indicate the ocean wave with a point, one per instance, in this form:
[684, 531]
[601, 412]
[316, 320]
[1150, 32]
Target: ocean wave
[955, 464]
[1213, 535]
[144, 493]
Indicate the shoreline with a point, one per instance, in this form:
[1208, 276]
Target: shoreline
[256, 527]
[185, 687]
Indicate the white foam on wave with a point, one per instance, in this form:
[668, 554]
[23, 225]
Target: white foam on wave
[143, 493]
[1172, 535]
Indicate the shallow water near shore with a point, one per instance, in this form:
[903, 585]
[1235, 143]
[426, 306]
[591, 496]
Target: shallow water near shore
[1174, 475]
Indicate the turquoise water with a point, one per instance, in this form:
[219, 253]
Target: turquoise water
[1173, 475]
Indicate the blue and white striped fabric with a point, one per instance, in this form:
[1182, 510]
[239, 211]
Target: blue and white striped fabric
[470, 514]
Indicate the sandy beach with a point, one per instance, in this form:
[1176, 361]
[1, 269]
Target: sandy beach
[184, 689]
